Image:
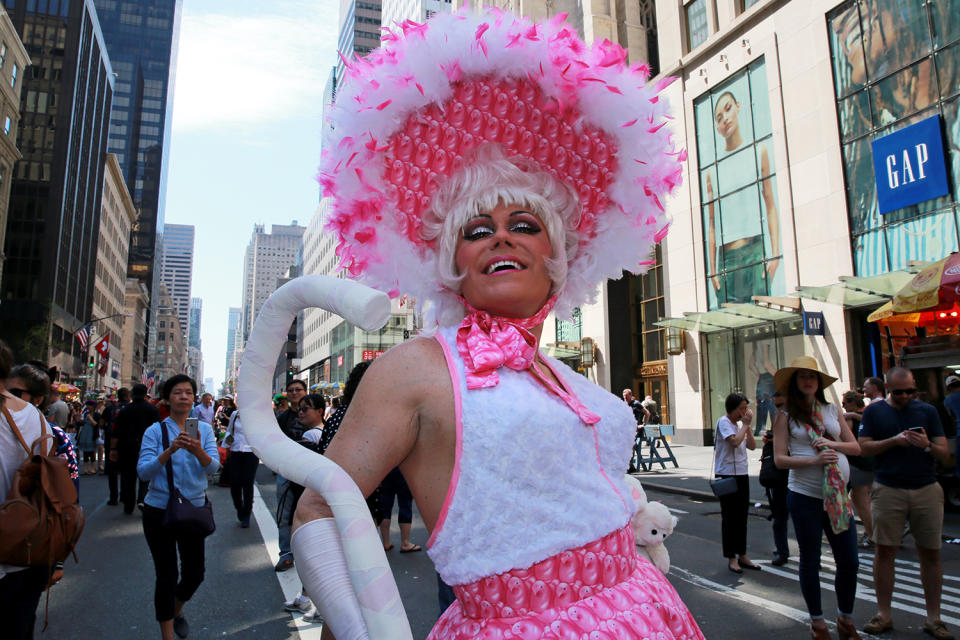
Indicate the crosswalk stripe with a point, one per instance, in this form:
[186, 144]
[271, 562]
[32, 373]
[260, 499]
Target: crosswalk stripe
[289, 580]
[680, 511]
[766, 604]
[866, 593]
[867, 567]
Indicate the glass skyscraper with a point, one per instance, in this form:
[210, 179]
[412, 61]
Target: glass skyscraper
[142, 39]
[54, 215]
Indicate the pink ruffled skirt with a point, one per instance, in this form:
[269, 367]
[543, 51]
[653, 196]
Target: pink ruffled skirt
[600, 591]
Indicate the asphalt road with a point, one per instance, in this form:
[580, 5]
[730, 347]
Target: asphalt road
[109, 594]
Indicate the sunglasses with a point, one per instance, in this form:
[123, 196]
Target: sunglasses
[18, 392]
[900, 392]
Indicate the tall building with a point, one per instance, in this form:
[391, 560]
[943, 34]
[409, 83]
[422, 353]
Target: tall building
[171, 351]
[136, 306]
[196, 313]
[142, 40]
[782, 243]
[359, 31]
[54, 213]
[13, 61]
[234, 344]
[267, 258]
[396, 11]
[110, 280]
[177, 270]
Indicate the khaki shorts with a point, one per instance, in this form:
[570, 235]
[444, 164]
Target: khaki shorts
[922, 508]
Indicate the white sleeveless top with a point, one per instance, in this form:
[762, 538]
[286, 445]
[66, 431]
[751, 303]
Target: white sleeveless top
[809, 480]
[531, 479]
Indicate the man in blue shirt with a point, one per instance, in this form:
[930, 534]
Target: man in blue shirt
[906, 437]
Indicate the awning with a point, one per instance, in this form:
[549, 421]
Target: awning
[734, 316]
[558, 352]
[854, 291]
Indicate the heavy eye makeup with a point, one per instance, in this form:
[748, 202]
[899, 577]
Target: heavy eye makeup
[483, 225]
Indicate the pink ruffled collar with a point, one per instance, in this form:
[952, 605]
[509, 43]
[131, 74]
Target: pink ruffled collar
[487, 342]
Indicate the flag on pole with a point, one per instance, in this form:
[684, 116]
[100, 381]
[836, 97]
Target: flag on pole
[102, 370]
[103, 347]
[147, 379]
[83, 336]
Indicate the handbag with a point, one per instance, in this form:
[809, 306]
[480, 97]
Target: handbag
[723, 486]
[182, 516]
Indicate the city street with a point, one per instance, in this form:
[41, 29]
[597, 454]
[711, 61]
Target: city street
[109, 593]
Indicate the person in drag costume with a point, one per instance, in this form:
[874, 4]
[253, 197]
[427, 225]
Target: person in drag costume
[494, 169]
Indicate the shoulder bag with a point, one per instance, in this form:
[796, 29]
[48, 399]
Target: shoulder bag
[182, 516]
[722, 486]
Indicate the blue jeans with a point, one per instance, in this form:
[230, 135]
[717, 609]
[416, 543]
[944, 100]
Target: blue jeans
[777, 496]
[284, 518]
[810, 522]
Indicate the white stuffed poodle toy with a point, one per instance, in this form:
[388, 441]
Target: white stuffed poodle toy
[651, 525]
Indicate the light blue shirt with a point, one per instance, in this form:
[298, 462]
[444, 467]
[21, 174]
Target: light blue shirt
[203, 413]
[188, 475]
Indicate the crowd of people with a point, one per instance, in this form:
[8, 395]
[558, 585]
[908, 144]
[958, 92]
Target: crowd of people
[875, 457]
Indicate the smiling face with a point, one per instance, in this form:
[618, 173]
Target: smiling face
[502, 255]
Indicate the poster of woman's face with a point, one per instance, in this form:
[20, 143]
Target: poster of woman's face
[738, 189]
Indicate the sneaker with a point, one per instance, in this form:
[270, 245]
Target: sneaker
[779, 560]
[245, 522]
[285, 562]
[313, 616]
[180, 627]
[866, 542]
[300, 603]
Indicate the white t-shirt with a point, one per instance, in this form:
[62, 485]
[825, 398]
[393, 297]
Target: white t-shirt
[312, 435]
[235, 427]
[12, 453]
[809, 480]
[729, 460]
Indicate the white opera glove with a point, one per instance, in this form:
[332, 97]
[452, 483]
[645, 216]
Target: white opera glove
[323, 571]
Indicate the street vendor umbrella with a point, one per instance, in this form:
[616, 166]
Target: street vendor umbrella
[63, 387]
[935, 289]
[942, 316]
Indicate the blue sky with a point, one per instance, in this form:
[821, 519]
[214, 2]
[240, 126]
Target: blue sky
[246, 136]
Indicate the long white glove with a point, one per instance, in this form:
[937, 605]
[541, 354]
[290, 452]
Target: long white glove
[323, 572]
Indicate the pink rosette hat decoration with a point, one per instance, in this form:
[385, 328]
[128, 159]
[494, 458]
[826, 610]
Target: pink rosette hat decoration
[410, 112]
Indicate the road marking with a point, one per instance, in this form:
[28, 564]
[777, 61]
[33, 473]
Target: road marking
[680, 511]
[764, 603]
[866, 593]
[289, 580]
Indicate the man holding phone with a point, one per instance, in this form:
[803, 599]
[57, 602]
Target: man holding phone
[906, 437]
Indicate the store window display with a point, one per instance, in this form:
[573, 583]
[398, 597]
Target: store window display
[738, 189]
[896, 63]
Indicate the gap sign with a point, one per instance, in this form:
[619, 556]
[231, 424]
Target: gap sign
[909, 166]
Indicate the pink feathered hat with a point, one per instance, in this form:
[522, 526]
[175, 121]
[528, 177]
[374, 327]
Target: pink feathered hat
[409, 111]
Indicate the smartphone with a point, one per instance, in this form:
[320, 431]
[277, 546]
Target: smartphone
[917, 429]
[193, 428]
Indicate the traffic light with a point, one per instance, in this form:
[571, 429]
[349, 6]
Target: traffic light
[91, 364]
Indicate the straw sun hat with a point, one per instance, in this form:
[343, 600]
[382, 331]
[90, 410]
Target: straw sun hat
[781, 378]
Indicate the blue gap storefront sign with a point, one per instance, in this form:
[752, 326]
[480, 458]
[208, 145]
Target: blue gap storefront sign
[813, 324]
[909, 165]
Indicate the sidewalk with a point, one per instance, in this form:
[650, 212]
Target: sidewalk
[692, 479]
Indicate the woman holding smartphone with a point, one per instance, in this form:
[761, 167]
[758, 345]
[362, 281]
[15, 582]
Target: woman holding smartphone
[192, 453]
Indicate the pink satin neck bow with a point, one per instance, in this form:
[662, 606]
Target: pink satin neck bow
[488, 342]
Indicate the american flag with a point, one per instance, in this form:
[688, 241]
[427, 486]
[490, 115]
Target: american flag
[83, 336]
[147, 378]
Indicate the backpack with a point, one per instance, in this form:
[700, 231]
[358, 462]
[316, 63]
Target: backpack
[770, 476]
[40, 521]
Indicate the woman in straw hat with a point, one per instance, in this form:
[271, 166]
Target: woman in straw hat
[813, 441]
[497, 169]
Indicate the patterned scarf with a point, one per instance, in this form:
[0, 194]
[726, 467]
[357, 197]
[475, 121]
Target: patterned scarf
[835, 499]
[487, 342]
